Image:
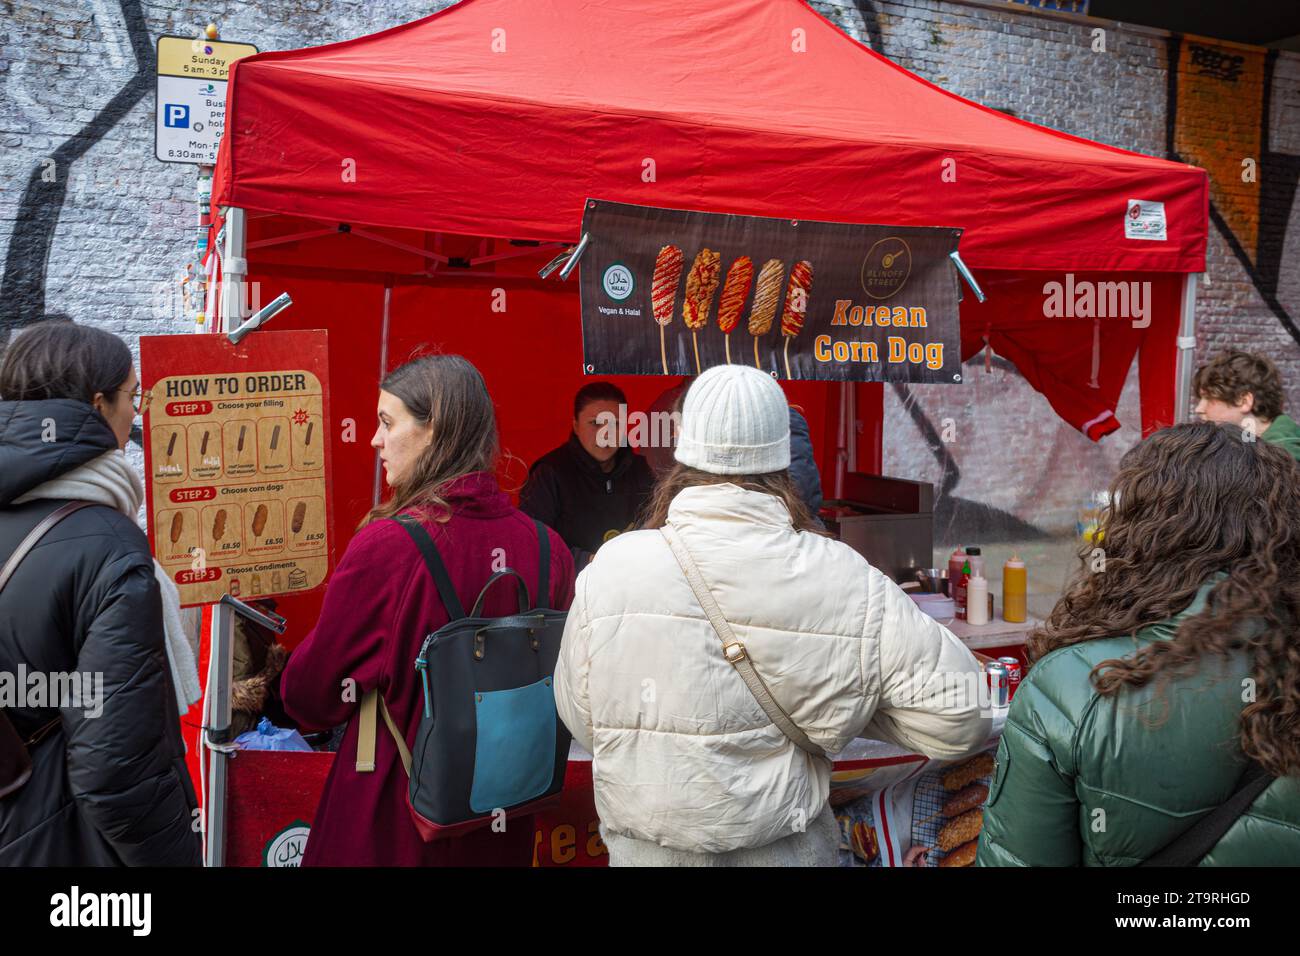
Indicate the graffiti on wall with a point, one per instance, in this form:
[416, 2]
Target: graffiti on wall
[22, 289]
[1219, 117]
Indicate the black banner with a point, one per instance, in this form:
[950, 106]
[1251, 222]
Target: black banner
[672, 292]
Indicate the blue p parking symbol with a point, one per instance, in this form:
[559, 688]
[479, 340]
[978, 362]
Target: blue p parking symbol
[176, 115]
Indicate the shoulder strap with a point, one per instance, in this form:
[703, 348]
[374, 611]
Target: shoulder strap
[372, 702]
[35, 535]
[733, 650]
[544, 576]
[1200, 838]
[437, 570]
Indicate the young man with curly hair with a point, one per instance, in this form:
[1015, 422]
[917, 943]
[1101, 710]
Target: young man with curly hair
[1238, 388]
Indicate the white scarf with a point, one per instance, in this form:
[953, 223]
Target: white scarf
[110, 480]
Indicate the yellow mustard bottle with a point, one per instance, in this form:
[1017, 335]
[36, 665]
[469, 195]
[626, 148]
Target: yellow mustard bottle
[1015, 586]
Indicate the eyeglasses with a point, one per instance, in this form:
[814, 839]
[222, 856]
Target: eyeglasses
[139, 400]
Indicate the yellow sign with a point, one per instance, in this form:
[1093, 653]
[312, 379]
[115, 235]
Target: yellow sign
[238, 485]
[199, 59]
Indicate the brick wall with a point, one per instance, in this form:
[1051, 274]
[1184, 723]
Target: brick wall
[122, 223]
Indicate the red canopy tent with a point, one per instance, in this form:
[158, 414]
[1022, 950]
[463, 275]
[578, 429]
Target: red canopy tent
[496, 120]
[393, 183]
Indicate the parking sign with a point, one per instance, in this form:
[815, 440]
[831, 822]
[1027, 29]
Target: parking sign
[190, 108]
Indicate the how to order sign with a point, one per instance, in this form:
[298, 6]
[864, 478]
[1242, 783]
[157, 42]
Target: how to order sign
[191, 97]
[236, 449]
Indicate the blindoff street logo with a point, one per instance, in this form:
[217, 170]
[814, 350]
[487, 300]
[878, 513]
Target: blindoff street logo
[886, 267]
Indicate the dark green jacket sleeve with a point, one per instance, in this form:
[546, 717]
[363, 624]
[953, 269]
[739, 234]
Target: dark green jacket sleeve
[1032, 815]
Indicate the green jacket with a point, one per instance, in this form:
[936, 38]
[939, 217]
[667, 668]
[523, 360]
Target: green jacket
[1284, 432]
[1084, 779]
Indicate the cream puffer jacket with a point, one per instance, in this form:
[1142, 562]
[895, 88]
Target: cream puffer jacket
[683, 755]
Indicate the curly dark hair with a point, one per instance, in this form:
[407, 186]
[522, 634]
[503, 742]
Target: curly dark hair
[1188, 503]
[1229, 376]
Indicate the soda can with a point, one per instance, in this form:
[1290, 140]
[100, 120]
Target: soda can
[1013, 674]
[999, 685]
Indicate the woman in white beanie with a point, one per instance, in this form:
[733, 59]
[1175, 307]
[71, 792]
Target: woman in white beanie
[714, 662]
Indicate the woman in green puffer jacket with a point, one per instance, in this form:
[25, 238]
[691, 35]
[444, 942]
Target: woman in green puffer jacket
[1171, 658]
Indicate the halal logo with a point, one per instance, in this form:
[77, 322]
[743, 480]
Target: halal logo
[1135, 210]
[618, 282]
[885, 267]
[287, 846]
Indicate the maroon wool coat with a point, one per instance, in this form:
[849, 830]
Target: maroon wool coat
[380, 604]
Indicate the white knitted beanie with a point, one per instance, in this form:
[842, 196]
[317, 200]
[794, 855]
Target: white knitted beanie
[735, 421]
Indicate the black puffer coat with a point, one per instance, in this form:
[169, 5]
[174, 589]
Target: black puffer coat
[109, 789]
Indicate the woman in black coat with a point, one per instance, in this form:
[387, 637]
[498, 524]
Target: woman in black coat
[109, 785]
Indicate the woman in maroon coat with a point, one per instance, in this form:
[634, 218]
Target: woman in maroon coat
[437, 438]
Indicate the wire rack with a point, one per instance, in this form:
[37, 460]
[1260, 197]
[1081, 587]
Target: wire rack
[927, 803]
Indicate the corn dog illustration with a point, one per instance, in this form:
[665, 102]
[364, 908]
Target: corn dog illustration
[663, 292]
[734, 292]
[178, 525]
[203, 446]
[171, 444]
[275, 437]
[259, 520]
[767, 296]
[243, 430]
[299, 516]
[701, 284]
[796, 305]
[219, 525]
[310, 426]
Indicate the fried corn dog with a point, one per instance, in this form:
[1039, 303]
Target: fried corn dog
[796, 305]
[701, 285]
[966, 773]
[734, 292]
[178, 525]
[663, 292]
[964, 855]
[299, 516]
[767, 296]
[967, 798]
[960, 830]
[219, 525]
[259, 520]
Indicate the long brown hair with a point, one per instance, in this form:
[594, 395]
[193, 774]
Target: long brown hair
[1189, 503]
[447, 392]
[680, 477]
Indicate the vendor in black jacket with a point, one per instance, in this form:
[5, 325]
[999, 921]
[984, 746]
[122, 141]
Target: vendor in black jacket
[592, 487]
